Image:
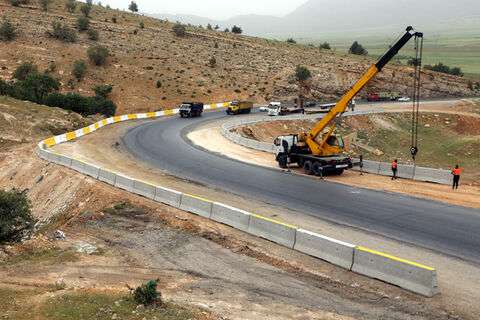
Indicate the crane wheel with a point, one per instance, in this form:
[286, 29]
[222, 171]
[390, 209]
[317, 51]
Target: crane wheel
[282, 161]
[307, 167]
[317, 169]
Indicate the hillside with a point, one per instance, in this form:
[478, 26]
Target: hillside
[151, 68]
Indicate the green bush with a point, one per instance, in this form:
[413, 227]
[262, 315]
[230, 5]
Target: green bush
[80, 104]
[142, 25]
[98, 55]
[147, 294]
[7, 31]
[44, 4]
[6, 88]
[291, 40]
[237, 30]
[179, 30]
[85, 9]
[24, 70]
[17, 3]
[440, 67]
[79, 69]
[15, 215]
[133, 7]
[93, 34]
[71, 5]
[357, 48]
[302, 74]
[83, 23]
[325, 46]
[63, 32]
[103, 90]
[36, 87]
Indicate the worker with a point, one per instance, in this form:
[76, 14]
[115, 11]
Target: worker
[456, 176]
[361, 164]
[394, 169]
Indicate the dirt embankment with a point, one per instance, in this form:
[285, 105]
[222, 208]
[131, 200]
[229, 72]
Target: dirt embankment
[152, 69]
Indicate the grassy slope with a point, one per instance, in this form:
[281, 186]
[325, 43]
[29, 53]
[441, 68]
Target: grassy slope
[247, 67]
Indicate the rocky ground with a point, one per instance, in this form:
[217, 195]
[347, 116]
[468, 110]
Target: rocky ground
[246, 67]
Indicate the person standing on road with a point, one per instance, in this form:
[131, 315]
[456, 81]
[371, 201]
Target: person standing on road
[394, 169]
[456, 177]
[361, 164]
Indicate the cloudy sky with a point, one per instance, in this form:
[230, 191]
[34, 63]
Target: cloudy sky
[216, 9]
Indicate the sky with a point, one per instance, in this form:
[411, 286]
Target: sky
[214, 9]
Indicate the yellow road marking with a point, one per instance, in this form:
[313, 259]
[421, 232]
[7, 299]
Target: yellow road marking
[151, 114]
[275, 221]
[395, 258]
[197, 197]
[117, 119]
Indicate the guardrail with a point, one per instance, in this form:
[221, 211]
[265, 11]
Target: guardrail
[381, 168]
[403, 273]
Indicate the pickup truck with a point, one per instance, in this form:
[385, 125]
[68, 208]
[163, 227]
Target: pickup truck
[191, 109]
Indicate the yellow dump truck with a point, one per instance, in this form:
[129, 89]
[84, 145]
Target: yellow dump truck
[238, 107]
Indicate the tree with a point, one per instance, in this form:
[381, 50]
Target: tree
[217, 27]
[86, 9]
[79, 69]
[44, 4]
[147, 294]
[37, 86]
[17, 3]
[23, 70]
[7, 31]
[71, 5]
[142, 25]
[209, 27]
[63, 32]
[179, 29]
[16, 216]
[83, 23]
[237, 30]
[325, 46]
[92, 34]
[358, 49]
[103, 90]
[302, 75]
[290, 40]
[440, 67]
[133, 7]
[98, 55]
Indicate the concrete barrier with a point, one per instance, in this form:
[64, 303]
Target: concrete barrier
[230, 216]
[433, 175]
[107, 176]
[85, 168]
[144, 189]
[272, 230]
[59, 159]
[197, 205]
[403, 273]
[124, 183]
[168, 196]
[328, 249]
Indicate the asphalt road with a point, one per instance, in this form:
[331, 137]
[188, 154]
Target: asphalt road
[444, 228]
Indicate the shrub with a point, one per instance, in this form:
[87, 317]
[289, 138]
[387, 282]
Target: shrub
[44, 4]
[36, 87]
[24, 70]
[84, 105]
[237, 30]
[226, 30]
[63, 32]
[114, 19]
[17, 3]
[83, 23]
[357, 48]
[179, 30]
[93, 34]
[133, 6]
[209, 27]
[6, 88]
[79, 69]
[142, 25]
[291, 40]
[98, 55]
[440, 67]
[71, 5]
[413, 61]
[147, 294]
[86, 9]
[159, 84]
[325, 46]
[7, 31]
[15, 215]
[103, 90]
[302, 74]
[212, 62]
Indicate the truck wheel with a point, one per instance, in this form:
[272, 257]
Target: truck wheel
[307, 167]
[300, 162]
[339, 171]
[317, 169]
[282, 161]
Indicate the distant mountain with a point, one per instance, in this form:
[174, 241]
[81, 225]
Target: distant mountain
[319, 18]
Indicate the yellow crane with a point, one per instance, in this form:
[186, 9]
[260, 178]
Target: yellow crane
[320, 150]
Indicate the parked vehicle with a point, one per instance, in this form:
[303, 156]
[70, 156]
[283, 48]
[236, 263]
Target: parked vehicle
[277, 109]
[238, 107]
[404, 99]
[191, 109]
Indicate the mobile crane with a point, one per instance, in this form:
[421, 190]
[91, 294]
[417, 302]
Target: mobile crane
[320, 151]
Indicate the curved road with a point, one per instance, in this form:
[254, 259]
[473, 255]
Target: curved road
[445, 228]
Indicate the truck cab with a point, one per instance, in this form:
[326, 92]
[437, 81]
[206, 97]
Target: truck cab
[275, 109]
[239, 107]
[191, 109]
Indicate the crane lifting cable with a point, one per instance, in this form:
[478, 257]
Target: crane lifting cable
[416, 93]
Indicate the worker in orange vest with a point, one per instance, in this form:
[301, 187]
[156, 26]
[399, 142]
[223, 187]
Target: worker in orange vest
[394, 169]
[456, 176]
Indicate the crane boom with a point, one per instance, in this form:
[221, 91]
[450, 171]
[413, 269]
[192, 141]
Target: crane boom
[311, 139]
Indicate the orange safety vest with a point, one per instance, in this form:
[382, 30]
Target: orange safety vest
[394, 165]
[456, 172]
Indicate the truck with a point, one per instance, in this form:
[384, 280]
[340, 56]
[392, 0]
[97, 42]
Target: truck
[320, 151]
[239, 107]
[191, 109]
[383, 96]
[278, 109]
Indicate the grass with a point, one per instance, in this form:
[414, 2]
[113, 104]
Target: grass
[14, 303]
[104, 305]
[36, 257]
